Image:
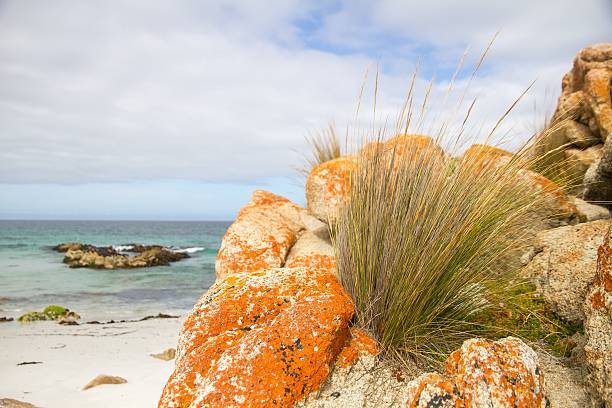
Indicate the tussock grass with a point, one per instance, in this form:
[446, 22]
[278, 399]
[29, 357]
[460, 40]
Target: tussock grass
[425, 243]
[324, 146]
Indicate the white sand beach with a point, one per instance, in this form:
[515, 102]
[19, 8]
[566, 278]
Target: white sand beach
[71, 356]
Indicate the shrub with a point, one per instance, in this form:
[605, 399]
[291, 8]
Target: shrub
[423, 250]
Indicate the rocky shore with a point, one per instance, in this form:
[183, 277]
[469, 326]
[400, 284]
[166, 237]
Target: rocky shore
[276, 327]
[79, 255]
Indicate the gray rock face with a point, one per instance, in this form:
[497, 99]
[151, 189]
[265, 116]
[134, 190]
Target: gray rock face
[563, 267]
[590, 212]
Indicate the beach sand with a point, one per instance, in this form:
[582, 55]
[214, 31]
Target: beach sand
[71, 356]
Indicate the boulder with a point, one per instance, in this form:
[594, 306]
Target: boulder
[327, 187]
[260, 339]
[504, 373]
[360, 379]
[563, 266]
[590, 212]
[104, 379]
[583, 119]
[328, 184]
[262, 234]
[312, 249]
[598, 325]
[578, 161]
[555, 208]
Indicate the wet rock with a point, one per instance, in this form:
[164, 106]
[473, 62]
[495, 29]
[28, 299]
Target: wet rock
[563, 268]
[104, 379]
[4, 319]
[262, 234]
[327, 187]
[260, 339]
[504, 373]
[598, 326]
[166, 355]
[90, 256]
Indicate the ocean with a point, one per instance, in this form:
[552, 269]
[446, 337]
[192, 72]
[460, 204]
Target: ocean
[33, 276]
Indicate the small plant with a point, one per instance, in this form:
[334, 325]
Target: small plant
[324, 145]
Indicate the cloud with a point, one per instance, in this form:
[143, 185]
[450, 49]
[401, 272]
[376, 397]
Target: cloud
[224, 92]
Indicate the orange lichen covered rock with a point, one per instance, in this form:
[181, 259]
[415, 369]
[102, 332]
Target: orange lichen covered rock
[326, 262]
[360, 344]
[414, 146]
[260, 339]
[556, 207]
[262, 234]
[484, 155]
[598, 326]
[504, 373]
[327, 187]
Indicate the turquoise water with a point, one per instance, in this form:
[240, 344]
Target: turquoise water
[32, 275]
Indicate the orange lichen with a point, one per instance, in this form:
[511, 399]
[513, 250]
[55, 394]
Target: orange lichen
[260, 339]
[482, 373]
[414, 147]
[371, 149]
[484, 153]
[359, 344]
[328, 186]
[260, 237]
[602, 284]
[324, 262]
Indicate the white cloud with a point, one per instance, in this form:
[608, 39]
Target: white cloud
[220, 91]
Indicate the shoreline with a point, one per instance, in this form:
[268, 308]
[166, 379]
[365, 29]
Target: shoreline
[71, 356]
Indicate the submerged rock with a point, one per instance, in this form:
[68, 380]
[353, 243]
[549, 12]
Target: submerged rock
[104, 379]
[598, 326]
[90, 256]
[260, 339]
[504, 373]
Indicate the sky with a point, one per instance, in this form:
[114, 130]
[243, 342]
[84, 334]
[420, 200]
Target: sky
[178, 110]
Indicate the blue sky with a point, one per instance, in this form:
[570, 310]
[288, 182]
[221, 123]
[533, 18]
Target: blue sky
[179, 110]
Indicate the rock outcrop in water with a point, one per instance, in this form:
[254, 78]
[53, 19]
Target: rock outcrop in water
[89, 256]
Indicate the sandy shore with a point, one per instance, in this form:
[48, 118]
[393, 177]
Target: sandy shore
[73, 355]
